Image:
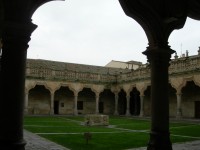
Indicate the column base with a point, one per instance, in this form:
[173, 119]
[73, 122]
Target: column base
[51, 112]
[128, 114]
[179, 114]
[116, 113]
[141, 115]
[159, 141]
[10, 145]
[75, 113]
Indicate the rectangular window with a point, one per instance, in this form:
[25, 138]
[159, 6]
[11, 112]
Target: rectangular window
[80, 105]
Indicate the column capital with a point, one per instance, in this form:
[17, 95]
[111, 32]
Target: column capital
[12, 30]
[97, 94]
[159, 54]
[52, 92]
[178, 93]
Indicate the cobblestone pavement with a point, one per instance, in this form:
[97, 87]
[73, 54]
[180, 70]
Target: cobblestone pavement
[35, 142]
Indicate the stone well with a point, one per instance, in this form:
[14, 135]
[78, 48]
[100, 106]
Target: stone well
[96, 120]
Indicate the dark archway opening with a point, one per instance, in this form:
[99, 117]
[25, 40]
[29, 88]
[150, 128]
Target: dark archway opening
[64, 101]
[86, 101]
[106, 102]
[135, 102]
[39, 100]
[190, 100]
[122, 102]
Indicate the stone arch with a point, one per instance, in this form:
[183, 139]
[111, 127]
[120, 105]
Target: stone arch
[86, 98]
[134, 102]
[196, 80]
[76, 88]
[179, 83]
[141, 87]
[29, 85]
[190, 96]
[193, 9]
[62, 84]
[39, 100]
[64, 101]
[97, 88]
[122, 102]
[107, 100]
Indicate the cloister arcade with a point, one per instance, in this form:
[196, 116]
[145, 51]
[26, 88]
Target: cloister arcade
[47, 96]
[158, 19]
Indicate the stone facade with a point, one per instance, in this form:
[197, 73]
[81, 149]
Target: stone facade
[72, 89]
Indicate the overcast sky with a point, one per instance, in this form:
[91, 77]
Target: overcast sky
[95, 32]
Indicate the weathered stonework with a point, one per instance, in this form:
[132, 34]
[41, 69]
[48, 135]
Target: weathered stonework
[96, 120]
[77, 77]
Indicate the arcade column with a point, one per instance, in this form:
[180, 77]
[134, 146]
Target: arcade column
[158, 19]
[159, 62]
[15, 40]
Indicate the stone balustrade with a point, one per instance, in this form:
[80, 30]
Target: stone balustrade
[67, 75]
[177, 67]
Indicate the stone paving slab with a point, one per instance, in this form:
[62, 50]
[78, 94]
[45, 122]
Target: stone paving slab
[35, 142]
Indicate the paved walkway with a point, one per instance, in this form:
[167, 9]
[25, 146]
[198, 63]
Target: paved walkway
[35, 142]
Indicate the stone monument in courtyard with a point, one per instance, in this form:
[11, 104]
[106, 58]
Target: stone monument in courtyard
[96, 120]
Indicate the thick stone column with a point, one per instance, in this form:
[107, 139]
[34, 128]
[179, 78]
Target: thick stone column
[75, 103]
[116, 104]
[158, 19]
[128, 105]
[97, 103]
[141, 105]
[26, 102]
[159, 62]
[13, 64]
[179, 109]
[52, 104]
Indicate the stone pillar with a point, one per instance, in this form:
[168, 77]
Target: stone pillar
[26, 102]
[52, 104]
[179, 109]
[14, 52]
[97, 103]
[158, 19]
[128, 105]
[116, 104]
[75, 103]
[141, 105]
[159, 62]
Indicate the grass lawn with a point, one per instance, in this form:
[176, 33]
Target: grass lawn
[123, 132]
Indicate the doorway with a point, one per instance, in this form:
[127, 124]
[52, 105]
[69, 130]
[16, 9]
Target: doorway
[56, 107]
[101, 107]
